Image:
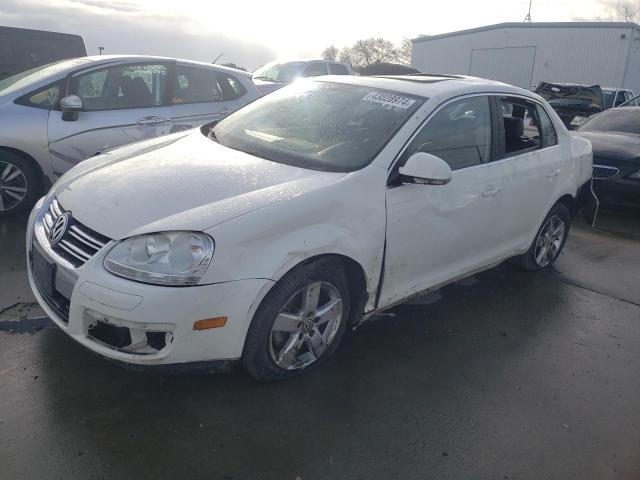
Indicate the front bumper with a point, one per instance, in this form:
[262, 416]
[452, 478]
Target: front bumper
[138, 323]
[618, 192]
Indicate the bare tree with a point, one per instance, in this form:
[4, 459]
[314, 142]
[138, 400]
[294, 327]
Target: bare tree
[403, 53]
[628, 11]
[330, 53]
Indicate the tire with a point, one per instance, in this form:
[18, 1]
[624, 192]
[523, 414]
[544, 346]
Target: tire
[19, 184]
[303, 338]
[535, 259]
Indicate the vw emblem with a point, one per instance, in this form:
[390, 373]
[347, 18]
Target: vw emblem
[59, 228]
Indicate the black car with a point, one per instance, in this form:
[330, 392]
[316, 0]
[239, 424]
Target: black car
[615, 136]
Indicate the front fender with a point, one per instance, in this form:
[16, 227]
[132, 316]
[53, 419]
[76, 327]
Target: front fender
[344, 218]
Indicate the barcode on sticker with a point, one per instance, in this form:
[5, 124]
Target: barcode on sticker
[389, 99]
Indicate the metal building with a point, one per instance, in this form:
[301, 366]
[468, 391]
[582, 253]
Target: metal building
[522, 54]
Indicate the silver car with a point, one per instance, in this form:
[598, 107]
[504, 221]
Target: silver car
[53, 117]
[274, 75]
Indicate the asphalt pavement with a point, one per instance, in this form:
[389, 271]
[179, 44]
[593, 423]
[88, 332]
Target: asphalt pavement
[506, 375]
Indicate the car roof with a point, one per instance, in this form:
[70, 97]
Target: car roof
[146, 58]
[429, 85]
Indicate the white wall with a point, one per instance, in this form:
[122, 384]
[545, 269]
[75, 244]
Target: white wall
[584, 55]
[632, 77]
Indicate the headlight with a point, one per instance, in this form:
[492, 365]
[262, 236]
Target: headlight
[167, 258]
[635, 176]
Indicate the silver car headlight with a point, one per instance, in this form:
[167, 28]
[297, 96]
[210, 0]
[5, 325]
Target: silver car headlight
[166, 258]
[635, 176]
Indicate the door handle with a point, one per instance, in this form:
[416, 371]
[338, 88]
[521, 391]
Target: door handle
[153, 120]
[553, 173]
[491, 192]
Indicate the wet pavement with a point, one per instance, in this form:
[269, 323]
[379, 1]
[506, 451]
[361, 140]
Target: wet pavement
[508, 374]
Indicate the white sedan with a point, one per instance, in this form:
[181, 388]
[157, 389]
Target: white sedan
[263, 237]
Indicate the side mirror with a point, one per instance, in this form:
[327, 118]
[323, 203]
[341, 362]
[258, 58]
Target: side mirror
[70, 106]
[426, 169]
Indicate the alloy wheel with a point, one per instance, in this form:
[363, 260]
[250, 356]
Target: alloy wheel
[549, 241]
[306, 326]
[13, 186]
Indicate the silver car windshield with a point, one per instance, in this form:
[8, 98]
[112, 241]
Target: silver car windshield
[318, 125]
[26, 78]
[278, 72]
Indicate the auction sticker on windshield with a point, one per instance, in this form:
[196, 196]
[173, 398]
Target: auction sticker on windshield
[389, 99]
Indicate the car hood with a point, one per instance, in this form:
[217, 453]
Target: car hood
[613, 146]
[179, 182]
[570, 101]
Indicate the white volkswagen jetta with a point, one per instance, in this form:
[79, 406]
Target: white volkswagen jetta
[263, 237]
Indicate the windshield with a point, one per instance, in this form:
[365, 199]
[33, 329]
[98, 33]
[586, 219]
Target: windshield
[23, 79]
[624, 120]
[318, 125]
[608, 98]
[278, 72]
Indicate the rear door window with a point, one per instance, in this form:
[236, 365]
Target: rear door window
[521, 125]
[199, 85]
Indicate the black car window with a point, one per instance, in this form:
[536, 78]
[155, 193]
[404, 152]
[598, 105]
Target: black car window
[460, 134]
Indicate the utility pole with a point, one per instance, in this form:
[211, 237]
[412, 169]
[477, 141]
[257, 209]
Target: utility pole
[527, 19]
[100, 49]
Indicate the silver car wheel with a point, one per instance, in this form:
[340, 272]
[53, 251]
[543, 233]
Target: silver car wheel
[549, 241]
[306, 326]
[13, 186]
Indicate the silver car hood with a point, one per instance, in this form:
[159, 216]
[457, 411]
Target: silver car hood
[179, 182]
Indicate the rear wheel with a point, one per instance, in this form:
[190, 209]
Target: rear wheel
[19, 185]
[300, 323]
[549, 240]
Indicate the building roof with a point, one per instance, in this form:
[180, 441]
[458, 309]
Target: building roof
[621, 25]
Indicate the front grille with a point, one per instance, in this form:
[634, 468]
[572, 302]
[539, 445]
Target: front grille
[603, 172]
[79, 243]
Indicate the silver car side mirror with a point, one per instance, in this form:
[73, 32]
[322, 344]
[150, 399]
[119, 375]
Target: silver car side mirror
[70, 106]
[426, 169]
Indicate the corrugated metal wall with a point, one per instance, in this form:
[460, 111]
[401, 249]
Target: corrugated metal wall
[562, 54]
[632, 77]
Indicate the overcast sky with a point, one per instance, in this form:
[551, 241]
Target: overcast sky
[251, 32]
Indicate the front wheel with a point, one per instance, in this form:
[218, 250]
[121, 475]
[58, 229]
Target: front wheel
[300, 323]
[19, 185]
[549, 240]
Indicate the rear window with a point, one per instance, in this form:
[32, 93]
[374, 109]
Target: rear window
[338, 69]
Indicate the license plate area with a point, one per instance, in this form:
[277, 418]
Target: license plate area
[44, 271]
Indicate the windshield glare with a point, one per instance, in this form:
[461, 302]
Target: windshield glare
[318, 125]
[23, 79]
[623, 120]
[278, 72]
